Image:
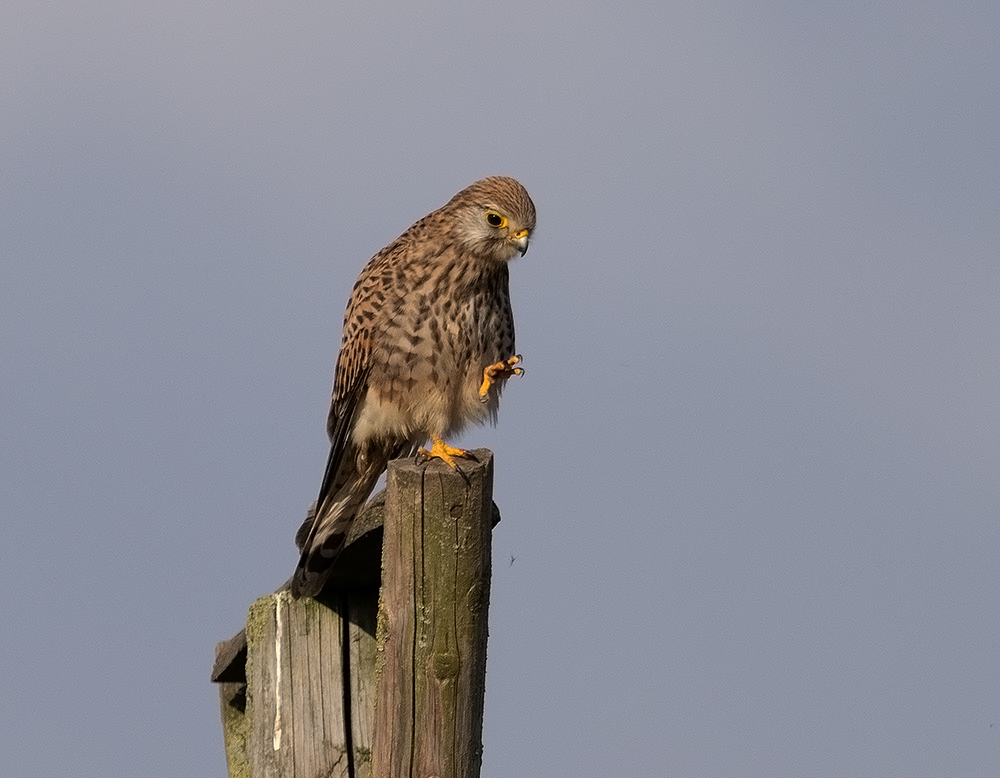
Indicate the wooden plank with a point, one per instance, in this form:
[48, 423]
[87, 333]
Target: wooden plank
[295, 689]
[433, 619]
[261, 679]
[235, 725]
[363, 607]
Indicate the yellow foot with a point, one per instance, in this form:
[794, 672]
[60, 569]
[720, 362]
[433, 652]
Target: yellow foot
[441, 450]
[502, 371]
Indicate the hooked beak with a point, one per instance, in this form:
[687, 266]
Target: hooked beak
[520, 241]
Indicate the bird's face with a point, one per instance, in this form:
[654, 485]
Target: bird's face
[496, 219]
[496, 233]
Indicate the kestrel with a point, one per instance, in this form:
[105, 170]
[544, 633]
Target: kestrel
[427, 347]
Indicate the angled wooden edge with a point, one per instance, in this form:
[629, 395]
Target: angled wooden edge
[359, 567]
[231, 660]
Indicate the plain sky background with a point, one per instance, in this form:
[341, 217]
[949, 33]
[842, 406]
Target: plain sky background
[750, 478]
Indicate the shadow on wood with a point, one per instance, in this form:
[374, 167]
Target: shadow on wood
[298, 686]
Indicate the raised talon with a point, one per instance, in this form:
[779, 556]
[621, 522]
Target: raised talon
[499, 370]
[441, 450]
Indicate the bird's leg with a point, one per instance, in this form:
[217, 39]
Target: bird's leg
[499, 371]
[441, 450]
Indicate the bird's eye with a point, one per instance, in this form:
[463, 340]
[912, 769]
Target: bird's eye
[495, 219]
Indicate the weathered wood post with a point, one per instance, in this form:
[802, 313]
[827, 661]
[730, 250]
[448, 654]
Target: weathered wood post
[433, 621]
[306, 690]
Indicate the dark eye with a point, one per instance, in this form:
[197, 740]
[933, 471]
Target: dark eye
[495, 219]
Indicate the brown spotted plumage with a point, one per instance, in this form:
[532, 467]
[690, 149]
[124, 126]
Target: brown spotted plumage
[428, 344]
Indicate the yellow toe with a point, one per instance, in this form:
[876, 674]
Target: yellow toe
[499, 370]
[441, 450]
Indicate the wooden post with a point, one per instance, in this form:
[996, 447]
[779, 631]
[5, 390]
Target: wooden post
[310, 713]
[298, 687]
[433, 620]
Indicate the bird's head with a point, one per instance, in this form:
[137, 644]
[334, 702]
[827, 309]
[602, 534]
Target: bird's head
[495, 218]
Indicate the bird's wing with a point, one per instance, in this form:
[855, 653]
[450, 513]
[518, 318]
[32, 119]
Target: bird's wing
[350, 379]
[349, 387]
[350, 384]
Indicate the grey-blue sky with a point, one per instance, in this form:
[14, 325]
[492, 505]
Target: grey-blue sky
[749, 478]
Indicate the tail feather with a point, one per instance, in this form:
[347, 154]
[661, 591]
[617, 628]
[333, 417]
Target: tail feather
[315, 566]
[322, 536]
[302, 533]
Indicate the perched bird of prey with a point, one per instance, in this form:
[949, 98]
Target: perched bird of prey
[428, 344]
